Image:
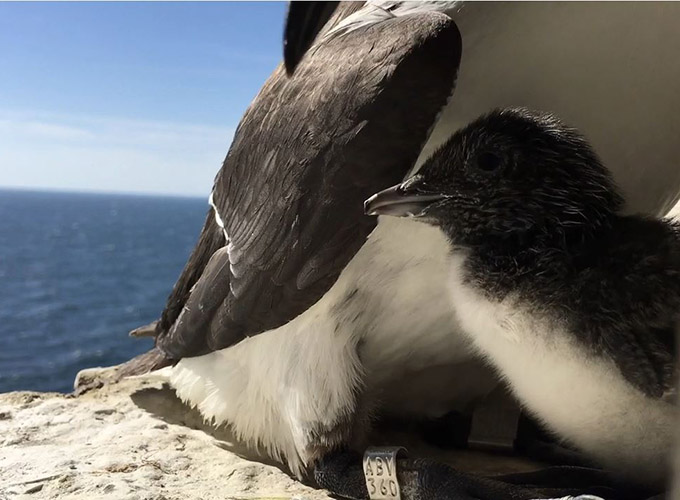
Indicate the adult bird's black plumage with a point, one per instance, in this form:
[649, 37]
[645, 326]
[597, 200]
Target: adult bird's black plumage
[291, 188]
[576, 304]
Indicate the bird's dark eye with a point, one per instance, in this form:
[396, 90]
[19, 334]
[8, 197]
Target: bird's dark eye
[489, 162]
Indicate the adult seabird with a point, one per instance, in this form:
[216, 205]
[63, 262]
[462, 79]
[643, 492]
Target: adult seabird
[575, 304]
[288, 322]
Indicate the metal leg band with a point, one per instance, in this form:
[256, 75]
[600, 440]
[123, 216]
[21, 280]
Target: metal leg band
[380, 472]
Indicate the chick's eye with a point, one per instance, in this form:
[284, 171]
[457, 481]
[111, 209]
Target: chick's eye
[489, 162]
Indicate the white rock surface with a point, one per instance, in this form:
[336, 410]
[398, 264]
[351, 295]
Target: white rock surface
[135, 440]
[132, 440]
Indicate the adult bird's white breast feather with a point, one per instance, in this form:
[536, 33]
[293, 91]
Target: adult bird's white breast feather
[269, 388]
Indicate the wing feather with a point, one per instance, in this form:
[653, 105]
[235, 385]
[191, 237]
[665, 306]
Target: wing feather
[307, 153]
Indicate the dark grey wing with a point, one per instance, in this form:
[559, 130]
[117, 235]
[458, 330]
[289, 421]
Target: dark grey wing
[309, 150]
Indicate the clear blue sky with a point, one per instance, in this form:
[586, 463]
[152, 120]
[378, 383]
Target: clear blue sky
[131, 97]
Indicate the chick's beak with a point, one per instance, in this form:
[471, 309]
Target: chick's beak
[407, 199]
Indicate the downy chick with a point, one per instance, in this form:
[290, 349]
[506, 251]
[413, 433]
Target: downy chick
[575, 304]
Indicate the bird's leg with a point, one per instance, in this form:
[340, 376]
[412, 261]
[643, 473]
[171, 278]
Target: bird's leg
[419, 479]
[343, 475]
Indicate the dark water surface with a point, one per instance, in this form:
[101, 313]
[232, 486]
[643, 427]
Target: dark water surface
[77, 272]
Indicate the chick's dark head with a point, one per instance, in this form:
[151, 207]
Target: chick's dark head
[512, 173]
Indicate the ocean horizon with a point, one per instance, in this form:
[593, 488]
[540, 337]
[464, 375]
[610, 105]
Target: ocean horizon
[78, 271]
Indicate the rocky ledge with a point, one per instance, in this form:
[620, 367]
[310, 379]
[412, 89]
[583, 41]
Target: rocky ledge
[133, 440]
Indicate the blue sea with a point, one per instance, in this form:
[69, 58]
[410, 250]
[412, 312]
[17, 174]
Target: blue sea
[77, 272]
